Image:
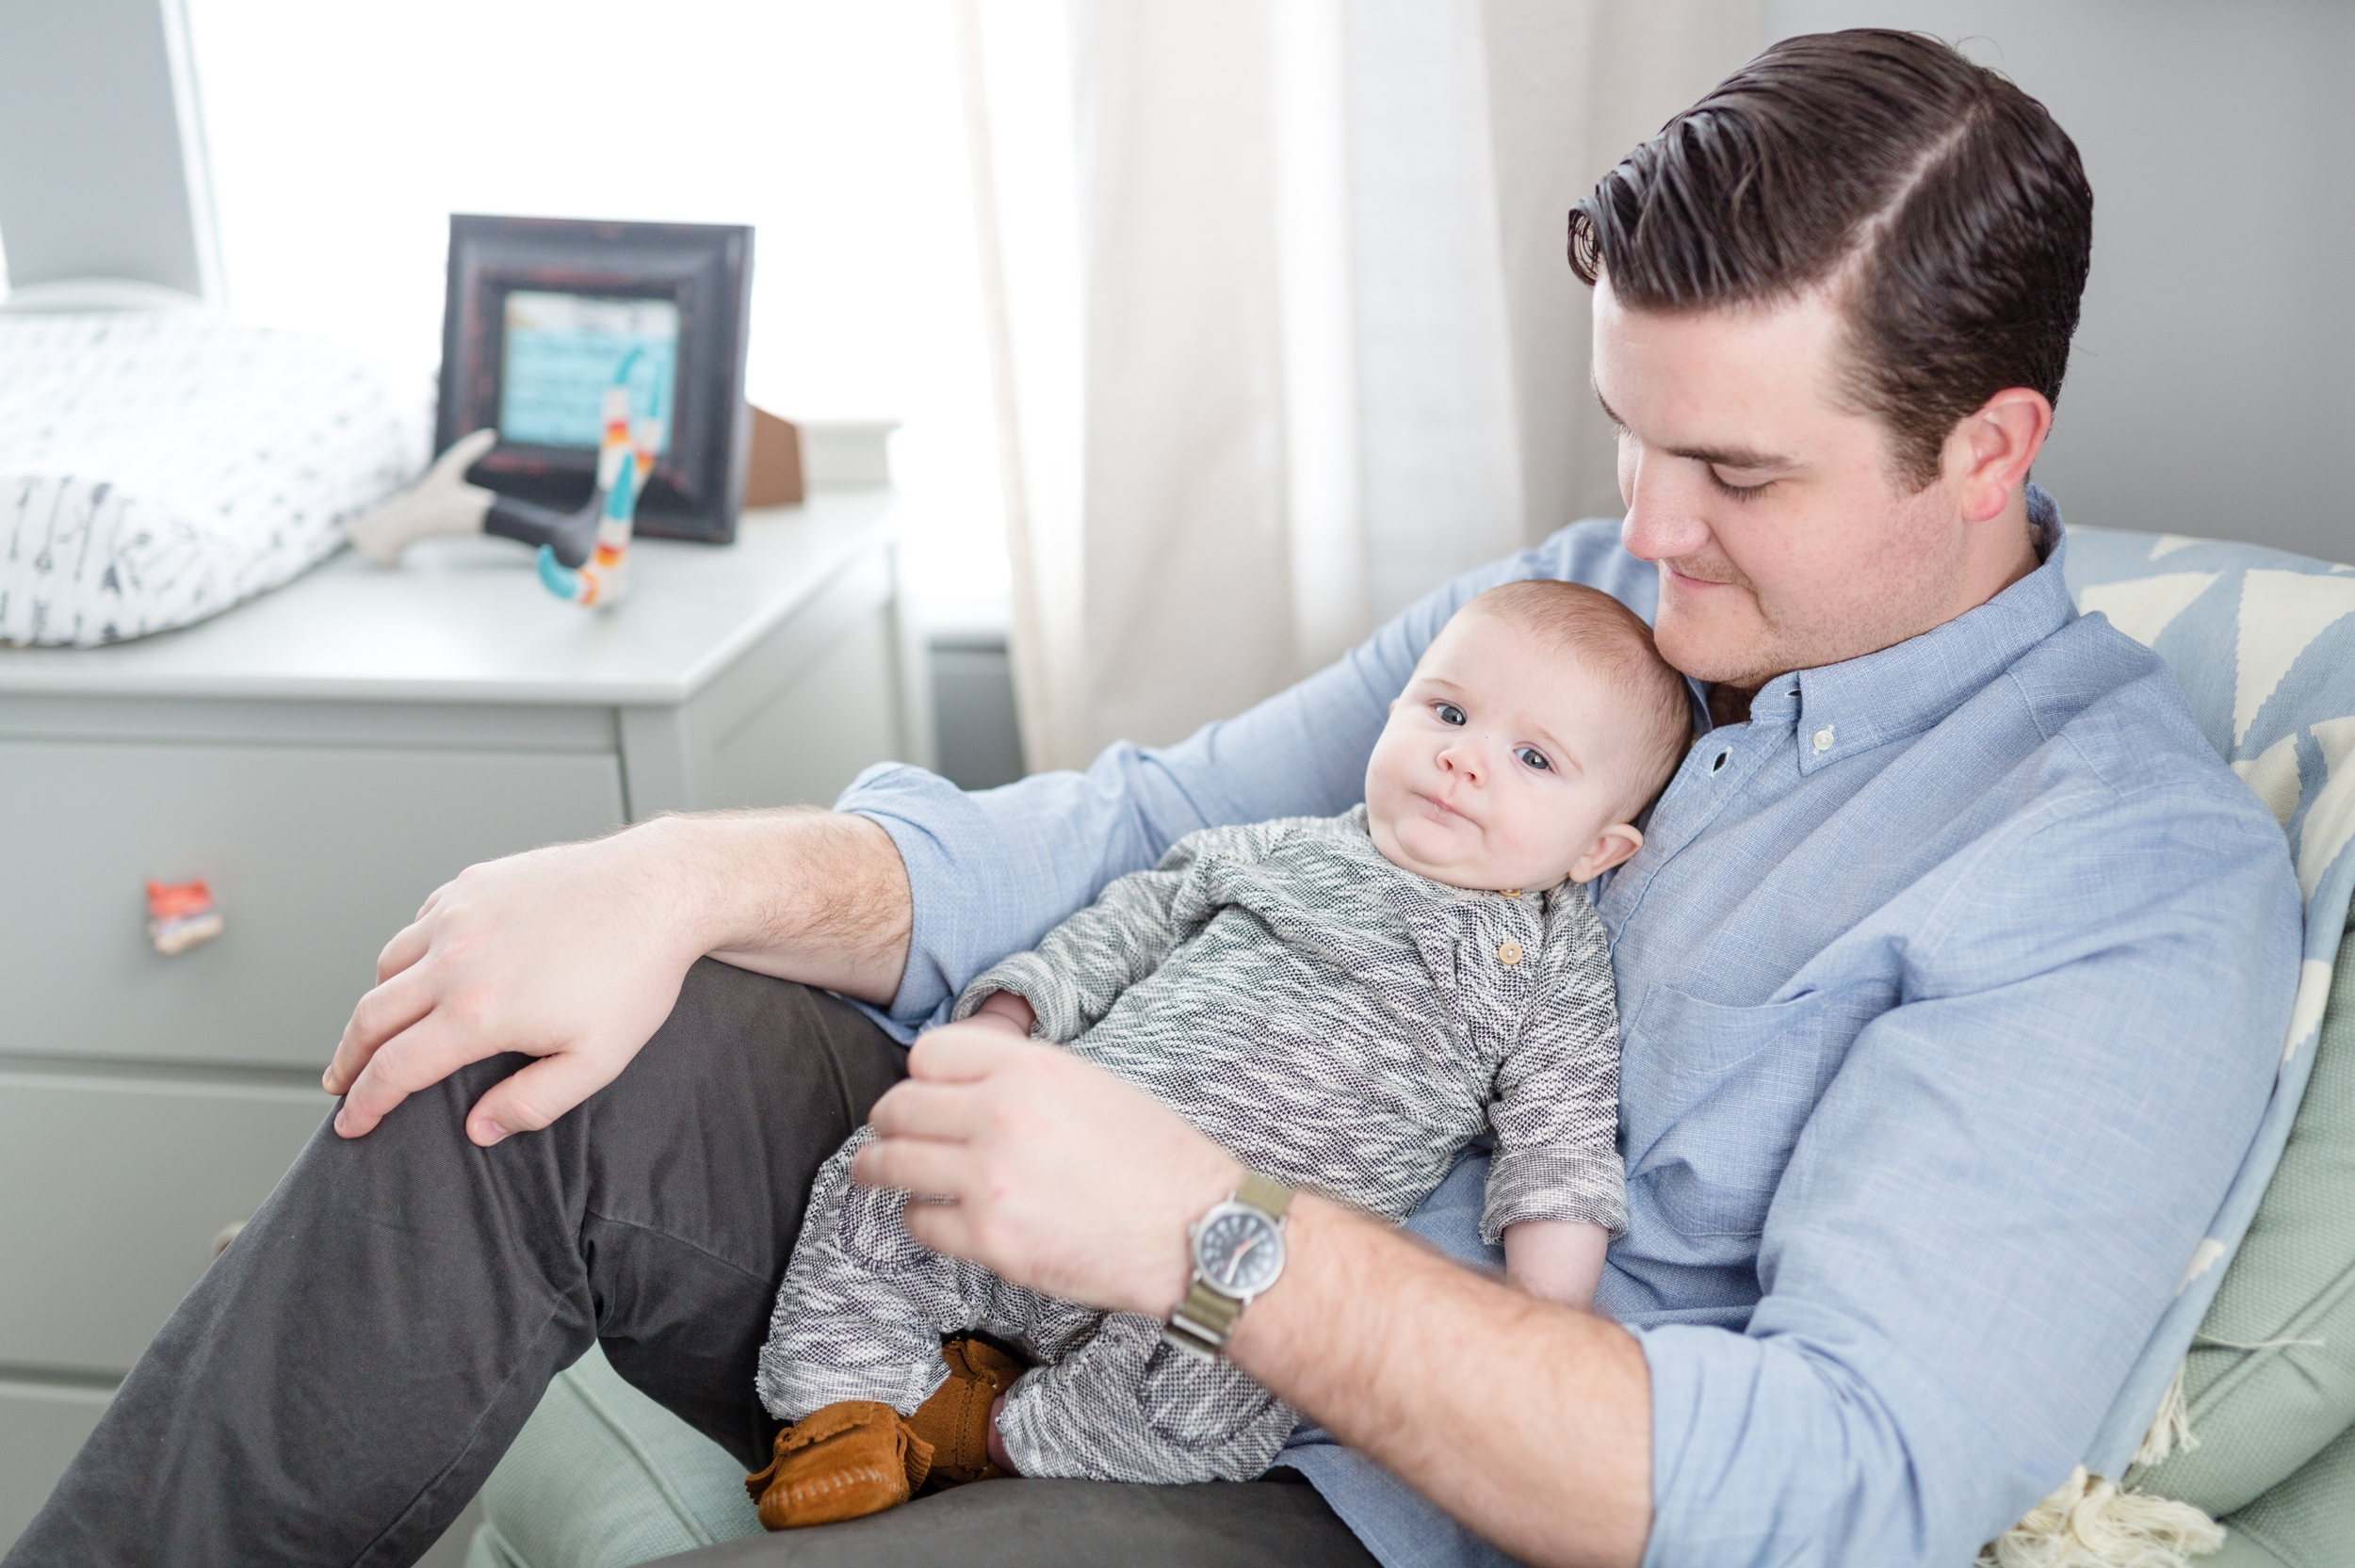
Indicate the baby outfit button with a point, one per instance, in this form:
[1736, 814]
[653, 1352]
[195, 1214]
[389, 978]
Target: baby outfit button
[1823, 738]
[1508, 953]
[1508, 892]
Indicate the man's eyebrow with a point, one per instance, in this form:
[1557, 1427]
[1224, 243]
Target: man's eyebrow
[1717, 457]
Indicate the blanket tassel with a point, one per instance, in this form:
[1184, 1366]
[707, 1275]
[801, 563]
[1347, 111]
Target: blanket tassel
[2091, 1523]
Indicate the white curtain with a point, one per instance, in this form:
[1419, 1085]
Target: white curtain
[1282, 328]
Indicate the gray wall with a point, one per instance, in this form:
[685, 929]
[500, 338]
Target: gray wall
[2212, 386]
[977, 742]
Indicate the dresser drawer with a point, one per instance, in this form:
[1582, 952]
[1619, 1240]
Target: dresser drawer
[111, 1191]
[316, 856]
[40, 1429]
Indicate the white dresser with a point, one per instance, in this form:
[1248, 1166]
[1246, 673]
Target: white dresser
[324, 758]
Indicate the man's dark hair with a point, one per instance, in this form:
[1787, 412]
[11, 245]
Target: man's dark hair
[1943, 204]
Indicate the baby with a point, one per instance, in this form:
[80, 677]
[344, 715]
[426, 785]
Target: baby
[1342, 1004]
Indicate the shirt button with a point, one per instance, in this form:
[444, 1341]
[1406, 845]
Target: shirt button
[1823, 738]
[1508, 892]
[1508, 953]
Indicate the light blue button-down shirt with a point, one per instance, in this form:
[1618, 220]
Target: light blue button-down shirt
[1952, 986]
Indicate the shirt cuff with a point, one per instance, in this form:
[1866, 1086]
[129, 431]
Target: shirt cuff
[1054, 1000]
[1768, 1450]
[947, 841]
[1542, 1185]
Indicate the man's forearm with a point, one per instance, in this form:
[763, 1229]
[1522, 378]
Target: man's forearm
[818, 897]
[1530, 1422]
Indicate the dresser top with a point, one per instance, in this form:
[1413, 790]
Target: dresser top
[465, 620]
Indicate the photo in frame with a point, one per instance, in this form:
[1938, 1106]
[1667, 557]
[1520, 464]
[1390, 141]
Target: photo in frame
[541, 314]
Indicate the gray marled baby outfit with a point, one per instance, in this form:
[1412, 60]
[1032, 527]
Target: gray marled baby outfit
[1334, 1022]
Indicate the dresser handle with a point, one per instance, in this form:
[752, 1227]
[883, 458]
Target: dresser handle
[180, 915]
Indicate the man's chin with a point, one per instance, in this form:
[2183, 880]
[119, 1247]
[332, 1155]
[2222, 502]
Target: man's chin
[1712, 655]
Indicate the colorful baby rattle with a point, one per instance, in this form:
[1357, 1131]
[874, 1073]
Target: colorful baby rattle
[623, 464]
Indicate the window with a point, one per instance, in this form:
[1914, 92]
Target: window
[342, 138]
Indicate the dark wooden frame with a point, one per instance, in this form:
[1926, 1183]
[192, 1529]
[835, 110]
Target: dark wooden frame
[697, 488]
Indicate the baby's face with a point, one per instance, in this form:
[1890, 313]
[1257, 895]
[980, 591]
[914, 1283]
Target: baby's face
[1504, 764]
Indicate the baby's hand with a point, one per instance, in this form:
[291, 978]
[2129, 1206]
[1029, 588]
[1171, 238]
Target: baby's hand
[1006, 1011]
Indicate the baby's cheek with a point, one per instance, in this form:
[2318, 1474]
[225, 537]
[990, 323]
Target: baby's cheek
[1522, 827]
[1526, 842]
[1385, 771]
[1380, 818]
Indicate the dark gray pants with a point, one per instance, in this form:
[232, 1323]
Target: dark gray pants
[340, 1383]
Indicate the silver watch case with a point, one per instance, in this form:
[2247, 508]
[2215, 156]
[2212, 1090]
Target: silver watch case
[1237, 1249]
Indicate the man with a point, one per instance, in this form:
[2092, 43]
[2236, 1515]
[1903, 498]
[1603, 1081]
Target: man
[1951, 861]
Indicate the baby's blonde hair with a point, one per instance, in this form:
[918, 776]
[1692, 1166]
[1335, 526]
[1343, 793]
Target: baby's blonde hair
[1607, 637]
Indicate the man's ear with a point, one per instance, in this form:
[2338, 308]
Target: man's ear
[1612, 846]
[1989, 453]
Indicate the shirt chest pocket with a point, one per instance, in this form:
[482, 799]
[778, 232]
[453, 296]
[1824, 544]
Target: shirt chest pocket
[1711, 1100]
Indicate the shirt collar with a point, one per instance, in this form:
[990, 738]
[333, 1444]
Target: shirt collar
[1843, 708]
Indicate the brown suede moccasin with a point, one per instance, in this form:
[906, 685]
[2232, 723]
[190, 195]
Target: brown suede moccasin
[851, 1459]
[956, 1420]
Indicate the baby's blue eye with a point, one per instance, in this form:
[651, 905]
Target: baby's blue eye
[1533, 757]
[1449, 713]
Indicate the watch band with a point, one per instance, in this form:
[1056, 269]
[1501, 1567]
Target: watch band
[1206, 1319]
[1203, 1320]
[1271, 1198]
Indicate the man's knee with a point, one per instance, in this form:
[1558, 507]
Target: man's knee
[420, 1141]
[750, 1081]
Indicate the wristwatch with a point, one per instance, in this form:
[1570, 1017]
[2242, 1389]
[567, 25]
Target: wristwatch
[1237, 1253]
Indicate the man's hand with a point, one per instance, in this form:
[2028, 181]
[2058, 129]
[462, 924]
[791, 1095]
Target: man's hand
[575, 954]
[1057, 1174]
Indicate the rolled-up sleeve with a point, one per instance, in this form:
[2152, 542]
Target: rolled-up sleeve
[992, 872]
[1995, 1200]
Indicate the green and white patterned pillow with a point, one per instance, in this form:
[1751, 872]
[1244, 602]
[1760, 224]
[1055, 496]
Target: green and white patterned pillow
[2251, 1374]
[2272, 1376]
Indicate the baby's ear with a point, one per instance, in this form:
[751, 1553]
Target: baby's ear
[1612, 846]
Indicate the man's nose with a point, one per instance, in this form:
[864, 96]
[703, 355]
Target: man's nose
[1660, 523]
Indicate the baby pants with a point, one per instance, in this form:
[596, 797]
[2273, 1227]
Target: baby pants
[865, 1307]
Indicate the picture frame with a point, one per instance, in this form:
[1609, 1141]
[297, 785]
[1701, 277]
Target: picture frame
[540, 314]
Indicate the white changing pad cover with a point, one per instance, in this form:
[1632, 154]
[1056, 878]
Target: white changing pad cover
[157, 467]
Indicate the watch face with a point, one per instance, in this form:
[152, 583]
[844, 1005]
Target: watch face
[1239, 1250]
